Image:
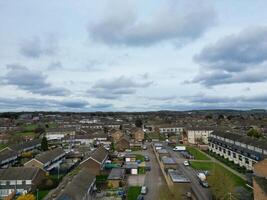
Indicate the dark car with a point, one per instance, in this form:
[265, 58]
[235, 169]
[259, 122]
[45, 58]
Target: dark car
[147, 158]
[140, 197]
[204, 184]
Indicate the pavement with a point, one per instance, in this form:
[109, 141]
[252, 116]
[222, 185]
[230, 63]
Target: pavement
[200, 192]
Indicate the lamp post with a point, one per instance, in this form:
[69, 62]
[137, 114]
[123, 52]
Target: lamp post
[37, 195]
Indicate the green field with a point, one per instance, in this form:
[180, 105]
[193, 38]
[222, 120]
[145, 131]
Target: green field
[197, 153]
[28, 133]
[211, 166]
[133, 192]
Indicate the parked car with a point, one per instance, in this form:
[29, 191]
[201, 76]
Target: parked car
[147, 158]
[186, 163]
[143, 190]
[144, 147]
[128, 150]
[204, 184]
[148, 168]
[140, 197]
[179, 148]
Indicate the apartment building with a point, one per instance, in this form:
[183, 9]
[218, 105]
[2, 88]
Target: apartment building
[170, 129]
[241, 149]
[198, 135]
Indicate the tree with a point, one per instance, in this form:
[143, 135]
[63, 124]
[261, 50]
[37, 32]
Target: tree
[26, 197]
[254, 133]
[138, 123]
[44, 144]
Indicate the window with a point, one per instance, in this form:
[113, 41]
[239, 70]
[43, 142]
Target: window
[240, 157]
[28, 182]
[229, 152]
[234, 155]
[12, 182]
[19, 182]
[246, 160]
[2, 182]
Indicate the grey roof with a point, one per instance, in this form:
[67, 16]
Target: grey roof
[7, 153]
[167, 160]
[18, 173]
[177, 177]
[77, 188]
[99, 154]
[49, 155]
[261, 143]
[25, 145]
[162, 151]
[131, 165]
[116, 174]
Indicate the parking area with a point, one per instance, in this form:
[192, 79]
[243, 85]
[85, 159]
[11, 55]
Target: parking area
[136, 180]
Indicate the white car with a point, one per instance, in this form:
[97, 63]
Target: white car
[143, 190]
[186, 163]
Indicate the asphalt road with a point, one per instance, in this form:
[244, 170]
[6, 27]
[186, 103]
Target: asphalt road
[154, 178]
[201, 193]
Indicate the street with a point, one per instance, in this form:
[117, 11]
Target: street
[200, 192]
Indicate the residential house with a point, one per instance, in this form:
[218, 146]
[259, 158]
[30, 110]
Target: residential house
[19, 180]
[260, 180]
[7, 157]
[241, 149]
[170, 129]
[47, 160]
[96, 160]
[59, 133]
[79, 187]
[116, 177]
[26, 146]
[138, 135]
[116, 135]
[123, 143]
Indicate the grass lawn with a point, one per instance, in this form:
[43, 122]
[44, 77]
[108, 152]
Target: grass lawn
[133, 192]
[28, 133]
[211, 166]
[30, 127]
[42, 194]
[140, 157]
[197, 153]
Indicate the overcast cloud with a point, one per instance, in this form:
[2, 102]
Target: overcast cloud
[132, 55]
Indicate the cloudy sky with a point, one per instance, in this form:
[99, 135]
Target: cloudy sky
[132, 55]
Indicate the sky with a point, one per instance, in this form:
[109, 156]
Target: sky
[132, 55]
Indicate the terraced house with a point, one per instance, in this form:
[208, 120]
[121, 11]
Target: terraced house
[47, 160]
[242, 150]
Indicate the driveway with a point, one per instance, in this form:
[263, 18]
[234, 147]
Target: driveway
[136, 180]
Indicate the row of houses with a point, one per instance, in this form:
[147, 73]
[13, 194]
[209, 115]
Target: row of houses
[242, 150]
[10, 154]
